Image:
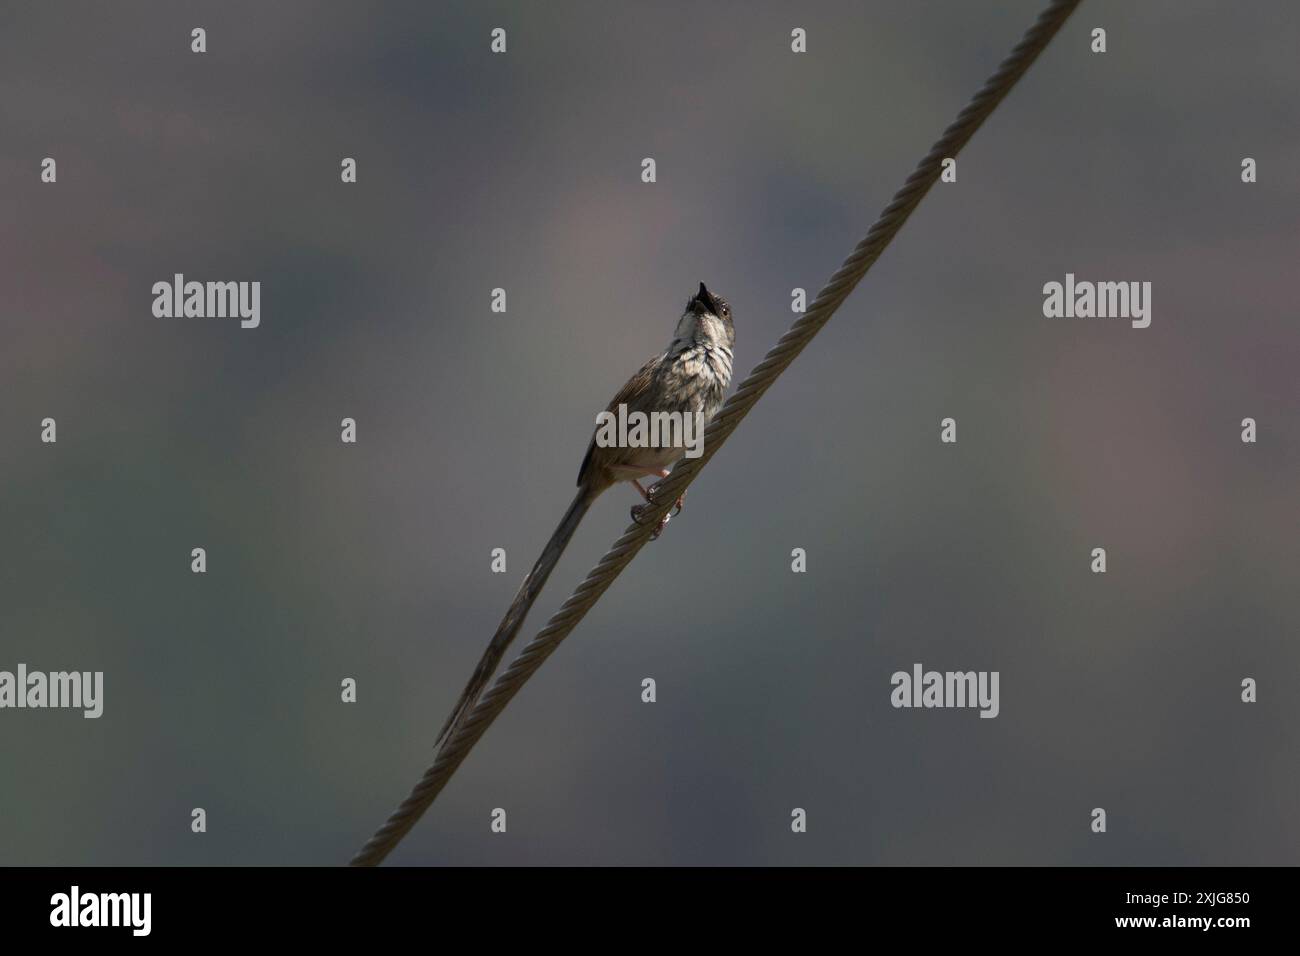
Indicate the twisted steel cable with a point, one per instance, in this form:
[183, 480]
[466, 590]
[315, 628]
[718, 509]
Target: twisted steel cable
[457, 746]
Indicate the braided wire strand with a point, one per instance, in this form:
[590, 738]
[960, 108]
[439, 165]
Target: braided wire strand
[457, 746]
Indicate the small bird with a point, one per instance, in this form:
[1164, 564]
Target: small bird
[690, 376]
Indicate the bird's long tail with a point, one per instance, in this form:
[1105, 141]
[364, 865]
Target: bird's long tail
[514, 619]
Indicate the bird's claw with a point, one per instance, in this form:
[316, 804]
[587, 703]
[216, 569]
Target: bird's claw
[677, 508]
[639, 510]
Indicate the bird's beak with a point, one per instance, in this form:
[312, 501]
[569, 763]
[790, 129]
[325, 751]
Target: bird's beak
[704, 297]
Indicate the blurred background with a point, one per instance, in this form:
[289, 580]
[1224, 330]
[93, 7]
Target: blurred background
[372, 560]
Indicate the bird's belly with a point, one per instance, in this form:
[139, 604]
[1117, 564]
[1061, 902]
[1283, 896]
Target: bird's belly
[678, 435]
[654, 459]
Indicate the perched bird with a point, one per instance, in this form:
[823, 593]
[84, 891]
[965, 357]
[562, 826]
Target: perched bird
[690, 376]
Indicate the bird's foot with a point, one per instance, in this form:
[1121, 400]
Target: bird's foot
[677, 508]
[639, 510]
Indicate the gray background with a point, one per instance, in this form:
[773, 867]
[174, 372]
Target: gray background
[372, 561]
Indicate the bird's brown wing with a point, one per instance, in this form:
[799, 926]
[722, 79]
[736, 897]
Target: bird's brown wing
[633, 393]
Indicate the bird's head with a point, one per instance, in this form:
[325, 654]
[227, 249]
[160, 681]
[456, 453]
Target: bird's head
[707, 320]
